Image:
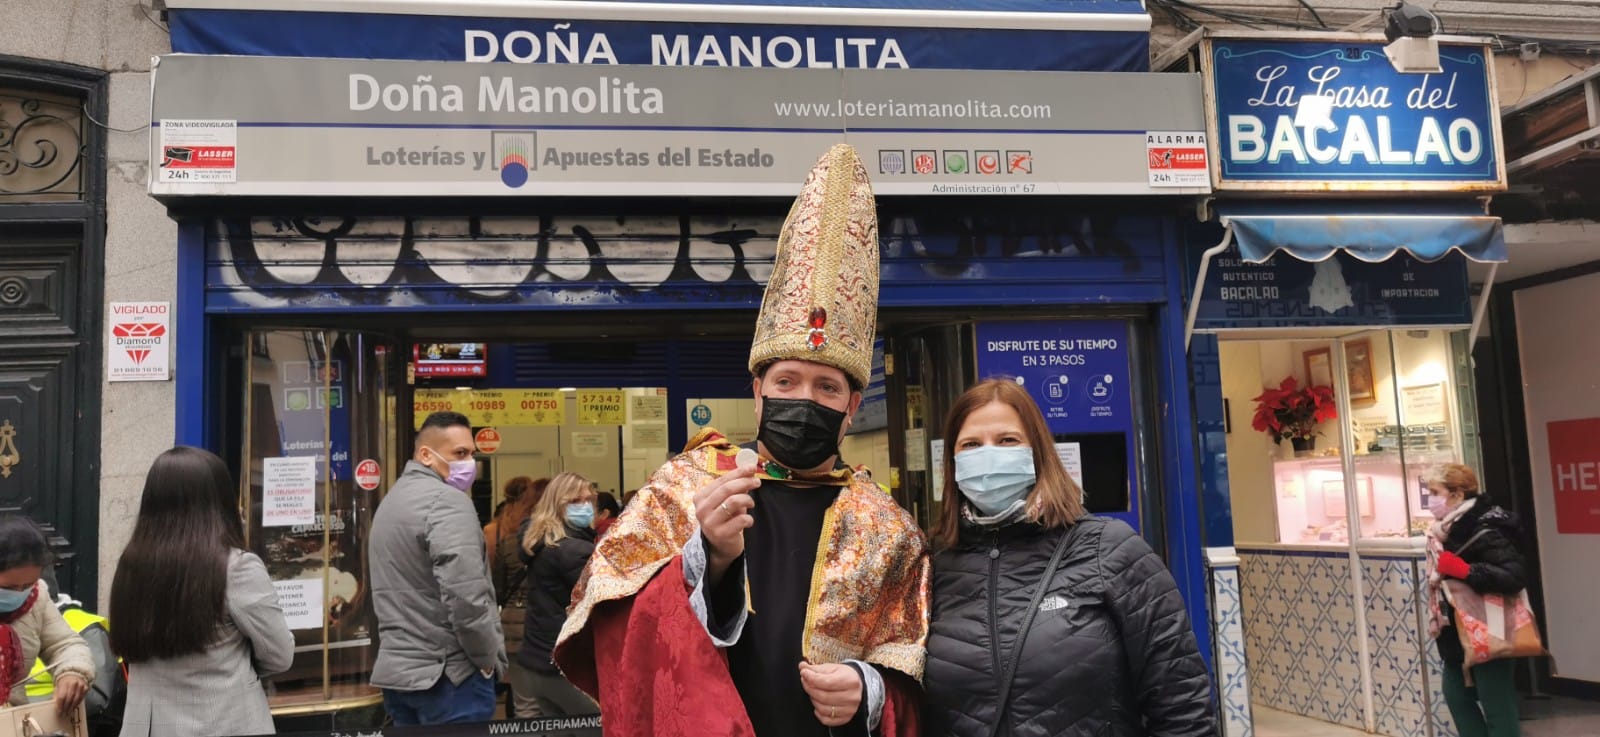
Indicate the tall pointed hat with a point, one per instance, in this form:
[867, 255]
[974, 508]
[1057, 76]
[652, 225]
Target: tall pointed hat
[821, 304]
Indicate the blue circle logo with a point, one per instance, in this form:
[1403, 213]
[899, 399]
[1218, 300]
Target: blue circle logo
[513, 174]
[701, 415]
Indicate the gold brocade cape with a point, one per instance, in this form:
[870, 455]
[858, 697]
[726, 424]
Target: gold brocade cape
[869, 589]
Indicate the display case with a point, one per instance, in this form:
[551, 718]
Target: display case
[320, 433]
[1401, 396]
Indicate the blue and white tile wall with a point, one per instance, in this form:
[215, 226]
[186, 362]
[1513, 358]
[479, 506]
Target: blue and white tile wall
[1228, 639]
[1300, 634]
[1400, 700]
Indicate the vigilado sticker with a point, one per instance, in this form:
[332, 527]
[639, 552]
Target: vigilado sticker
[138, 346]
[200, 151]
[368, 474]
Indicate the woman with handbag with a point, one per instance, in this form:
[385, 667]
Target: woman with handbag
[194, 615]
[1473, 553]
[1047, 621]
[31, 627]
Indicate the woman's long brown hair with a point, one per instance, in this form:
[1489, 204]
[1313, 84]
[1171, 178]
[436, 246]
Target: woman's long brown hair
[1056, 501]
[522, 493]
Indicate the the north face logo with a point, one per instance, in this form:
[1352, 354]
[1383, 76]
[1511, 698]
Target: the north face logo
[1053, 603]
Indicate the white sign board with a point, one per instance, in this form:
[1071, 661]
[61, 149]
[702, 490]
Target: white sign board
[289, 491]
[301, 599]
[199, 151]
[1071, 456]
[936, 450]
[139, 344]
[917, 450]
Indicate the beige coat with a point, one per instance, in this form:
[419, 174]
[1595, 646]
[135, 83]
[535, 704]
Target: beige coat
[43, 632]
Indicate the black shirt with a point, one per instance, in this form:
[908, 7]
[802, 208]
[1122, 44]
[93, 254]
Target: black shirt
[780, 554]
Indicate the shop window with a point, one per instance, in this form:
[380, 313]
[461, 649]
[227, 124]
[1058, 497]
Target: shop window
[1400, 402]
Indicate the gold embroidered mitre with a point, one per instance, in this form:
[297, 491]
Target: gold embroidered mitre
[821, 304]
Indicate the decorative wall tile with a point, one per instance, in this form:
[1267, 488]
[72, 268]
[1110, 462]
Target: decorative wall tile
[1233, 677]
[1300, 634]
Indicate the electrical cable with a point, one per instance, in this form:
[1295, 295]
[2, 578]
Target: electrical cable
[97, 122]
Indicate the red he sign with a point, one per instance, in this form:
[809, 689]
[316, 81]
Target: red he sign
[1575, 473]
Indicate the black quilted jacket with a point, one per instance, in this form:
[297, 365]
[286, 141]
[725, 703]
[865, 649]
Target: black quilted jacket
[1497, 565]
[1111, 653]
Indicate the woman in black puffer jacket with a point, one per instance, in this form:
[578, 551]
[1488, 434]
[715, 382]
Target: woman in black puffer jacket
[1474, 541]
[556, 545]
[1109, 652]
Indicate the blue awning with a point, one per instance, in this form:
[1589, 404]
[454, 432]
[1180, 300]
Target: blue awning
[1314, 231]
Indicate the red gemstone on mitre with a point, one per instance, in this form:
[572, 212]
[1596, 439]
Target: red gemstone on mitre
[817, 339]
[819, 318]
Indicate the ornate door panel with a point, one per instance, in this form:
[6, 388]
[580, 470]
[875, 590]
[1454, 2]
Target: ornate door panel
[52, 218]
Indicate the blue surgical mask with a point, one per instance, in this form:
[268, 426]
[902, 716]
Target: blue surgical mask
[993, 478]
[580, 515]
[11, 601]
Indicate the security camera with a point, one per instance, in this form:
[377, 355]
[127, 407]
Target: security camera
[1409, 20]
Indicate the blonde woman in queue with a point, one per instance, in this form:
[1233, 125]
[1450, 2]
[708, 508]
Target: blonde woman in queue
[1047, 621]
[195, 616]
[556, 546]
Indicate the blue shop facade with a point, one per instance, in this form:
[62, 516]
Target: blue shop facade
[1333, 256]
[559, 218]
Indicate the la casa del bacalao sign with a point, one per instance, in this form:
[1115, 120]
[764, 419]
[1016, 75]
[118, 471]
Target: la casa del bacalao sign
[1332, 115]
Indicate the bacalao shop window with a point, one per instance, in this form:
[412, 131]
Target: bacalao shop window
[1350, 196]
[558, 218]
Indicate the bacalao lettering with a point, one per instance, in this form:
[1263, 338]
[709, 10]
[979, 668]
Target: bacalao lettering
[1441, 137]
[707, 50]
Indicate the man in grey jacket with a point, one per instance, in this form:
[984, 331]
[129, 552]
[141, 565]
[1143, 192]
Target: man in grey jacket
[440, 647]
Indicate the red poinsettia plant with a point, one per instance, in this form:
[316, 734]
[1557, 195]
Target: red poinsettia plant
[1292, 412]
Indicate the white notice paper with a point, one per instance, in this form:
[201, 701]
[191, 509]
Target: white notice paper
[589, 444]
[917, 450]
[301, 600]
[1072, 457]
[289, 491]
[936, 448]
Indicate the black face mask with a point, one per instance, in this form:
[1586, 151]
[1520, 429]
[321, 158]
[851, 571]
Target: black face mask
[799, 433]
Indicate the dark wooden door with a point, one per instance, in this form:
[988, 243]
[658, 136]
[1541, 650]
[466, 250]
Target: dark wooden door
[51, 274]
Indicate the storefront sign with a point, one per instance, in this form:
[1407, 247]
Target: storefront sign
[601, 407]
[139, 347]
[498, 407]
[1078, 372]
[1090, 35]
[1575, 473]
[1334, 115]
[1285, 292]
[394, 128]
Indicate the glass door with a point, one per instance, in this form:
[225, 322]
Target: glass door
[321, 446]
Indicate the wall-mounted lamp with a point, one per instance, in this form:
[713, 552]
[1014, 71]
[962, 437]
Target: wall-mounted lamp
[1412, 47]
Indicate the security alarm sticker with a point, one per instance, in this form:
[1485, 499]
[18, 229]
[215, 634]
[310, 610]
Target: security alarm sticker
[199, 151]
[1177, 159]
[139, 341]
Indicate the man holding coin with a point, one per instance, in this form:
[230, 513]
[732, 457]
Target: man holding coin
[769, 589]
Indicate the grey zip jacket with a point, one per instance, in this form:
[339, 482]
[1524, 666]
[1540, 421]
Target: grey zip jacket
[430, 586]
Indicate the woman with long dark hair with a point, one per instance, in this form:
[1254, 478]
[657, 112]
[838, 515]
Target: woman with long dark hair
[194, 615]
[556, 546]
[30, 625]
[1047, 621]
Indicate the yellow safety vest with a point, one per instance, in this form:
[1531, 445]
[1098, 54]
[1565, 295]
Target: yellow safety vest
[42, 685]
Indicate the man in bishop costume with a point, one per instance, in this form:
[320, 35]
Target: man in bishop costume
[778, 593]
